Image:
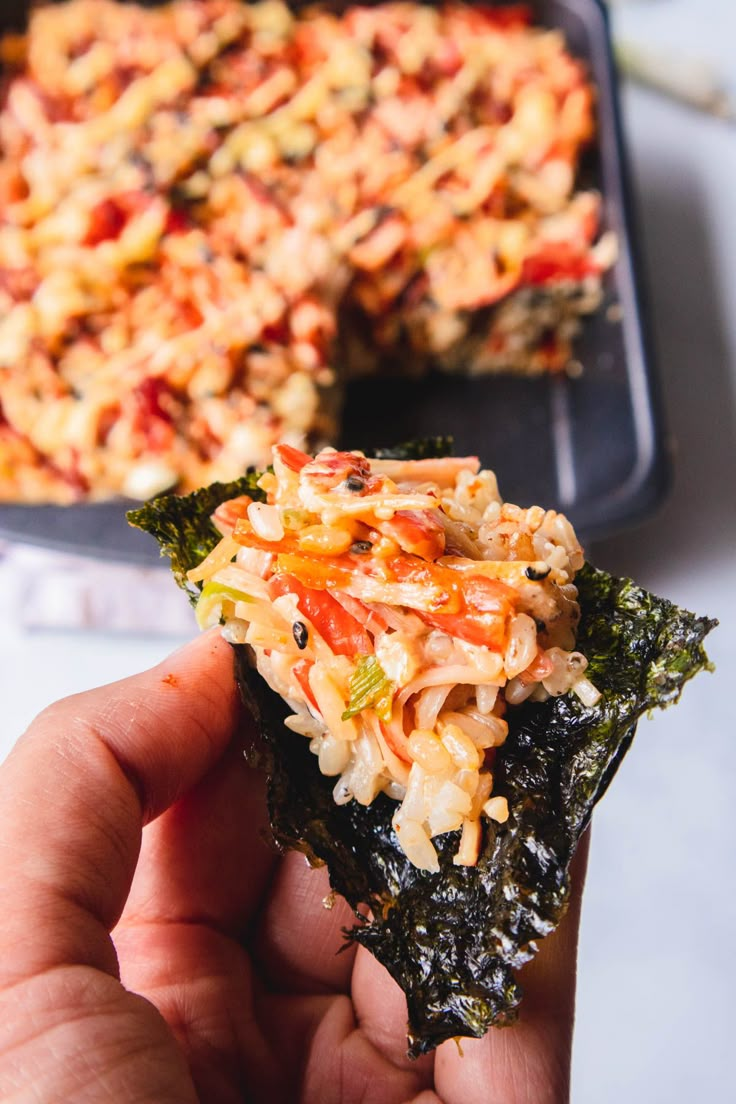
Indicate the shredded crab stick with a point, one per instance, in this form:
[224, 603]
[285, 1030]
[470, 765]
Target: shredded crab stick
[398, 653]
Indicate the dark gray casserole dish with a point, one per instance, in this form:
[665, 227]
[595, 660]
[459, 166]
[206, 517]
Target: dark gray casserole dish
[592, 447]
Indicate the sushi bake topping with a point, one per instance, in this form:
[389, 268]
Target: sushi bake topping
[400, 608]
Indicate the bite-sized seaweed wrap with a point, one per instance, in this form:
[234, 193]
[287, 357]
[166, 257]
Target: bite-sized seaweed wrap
[444, 689]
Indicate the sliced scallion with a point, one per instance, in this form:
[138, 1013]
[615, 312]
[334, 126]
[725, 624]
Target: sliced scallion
[370, 688]
[213, 595]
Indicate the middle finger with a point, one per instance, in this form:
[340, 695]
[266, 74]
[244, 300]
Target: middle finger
[299, 945]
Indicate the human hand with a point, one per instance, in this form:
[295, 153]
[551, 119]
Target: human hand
[186, 962]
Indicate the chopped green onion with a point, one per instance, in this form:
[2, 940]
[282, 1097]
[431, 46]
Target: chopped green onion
[370, 688]
[295, 519]
[213, 595]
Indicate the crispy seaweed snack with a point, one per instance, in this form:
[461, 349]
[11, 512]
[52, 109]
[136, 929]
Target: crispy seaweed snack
[443, 688]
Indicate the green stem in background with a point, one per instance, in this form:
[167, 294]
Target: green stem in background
[686, 80]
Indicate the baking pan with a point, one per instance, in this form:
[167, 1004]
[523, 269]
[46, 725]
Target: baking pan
[591, 446]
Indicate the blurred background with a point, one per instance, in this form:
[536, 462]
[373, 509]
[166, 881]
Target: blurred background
[657, 966]
[655, 1007]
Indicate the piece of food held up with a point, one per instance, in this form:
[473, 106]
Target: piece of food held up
[444, 689]
[369, 608]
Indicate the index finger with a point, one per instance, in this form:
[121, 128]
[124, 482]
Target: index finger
[77, 789]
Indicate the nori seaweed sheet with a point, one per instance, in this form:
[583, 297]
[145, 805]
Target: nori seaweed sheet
[453, 940]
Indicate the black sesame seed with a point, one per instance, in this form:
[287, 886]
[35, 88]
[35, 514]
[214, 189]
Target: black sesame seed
[361, 547]
[536, 576]
[354, 483]
[301, 634]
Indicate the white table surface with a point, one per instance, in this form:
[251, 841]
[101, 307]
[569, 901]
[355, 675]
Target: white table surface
[657, 971]
[657, 963]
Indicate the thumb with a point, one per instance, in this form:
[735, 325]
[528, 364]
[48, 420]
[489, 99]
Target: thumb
[77, 789]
